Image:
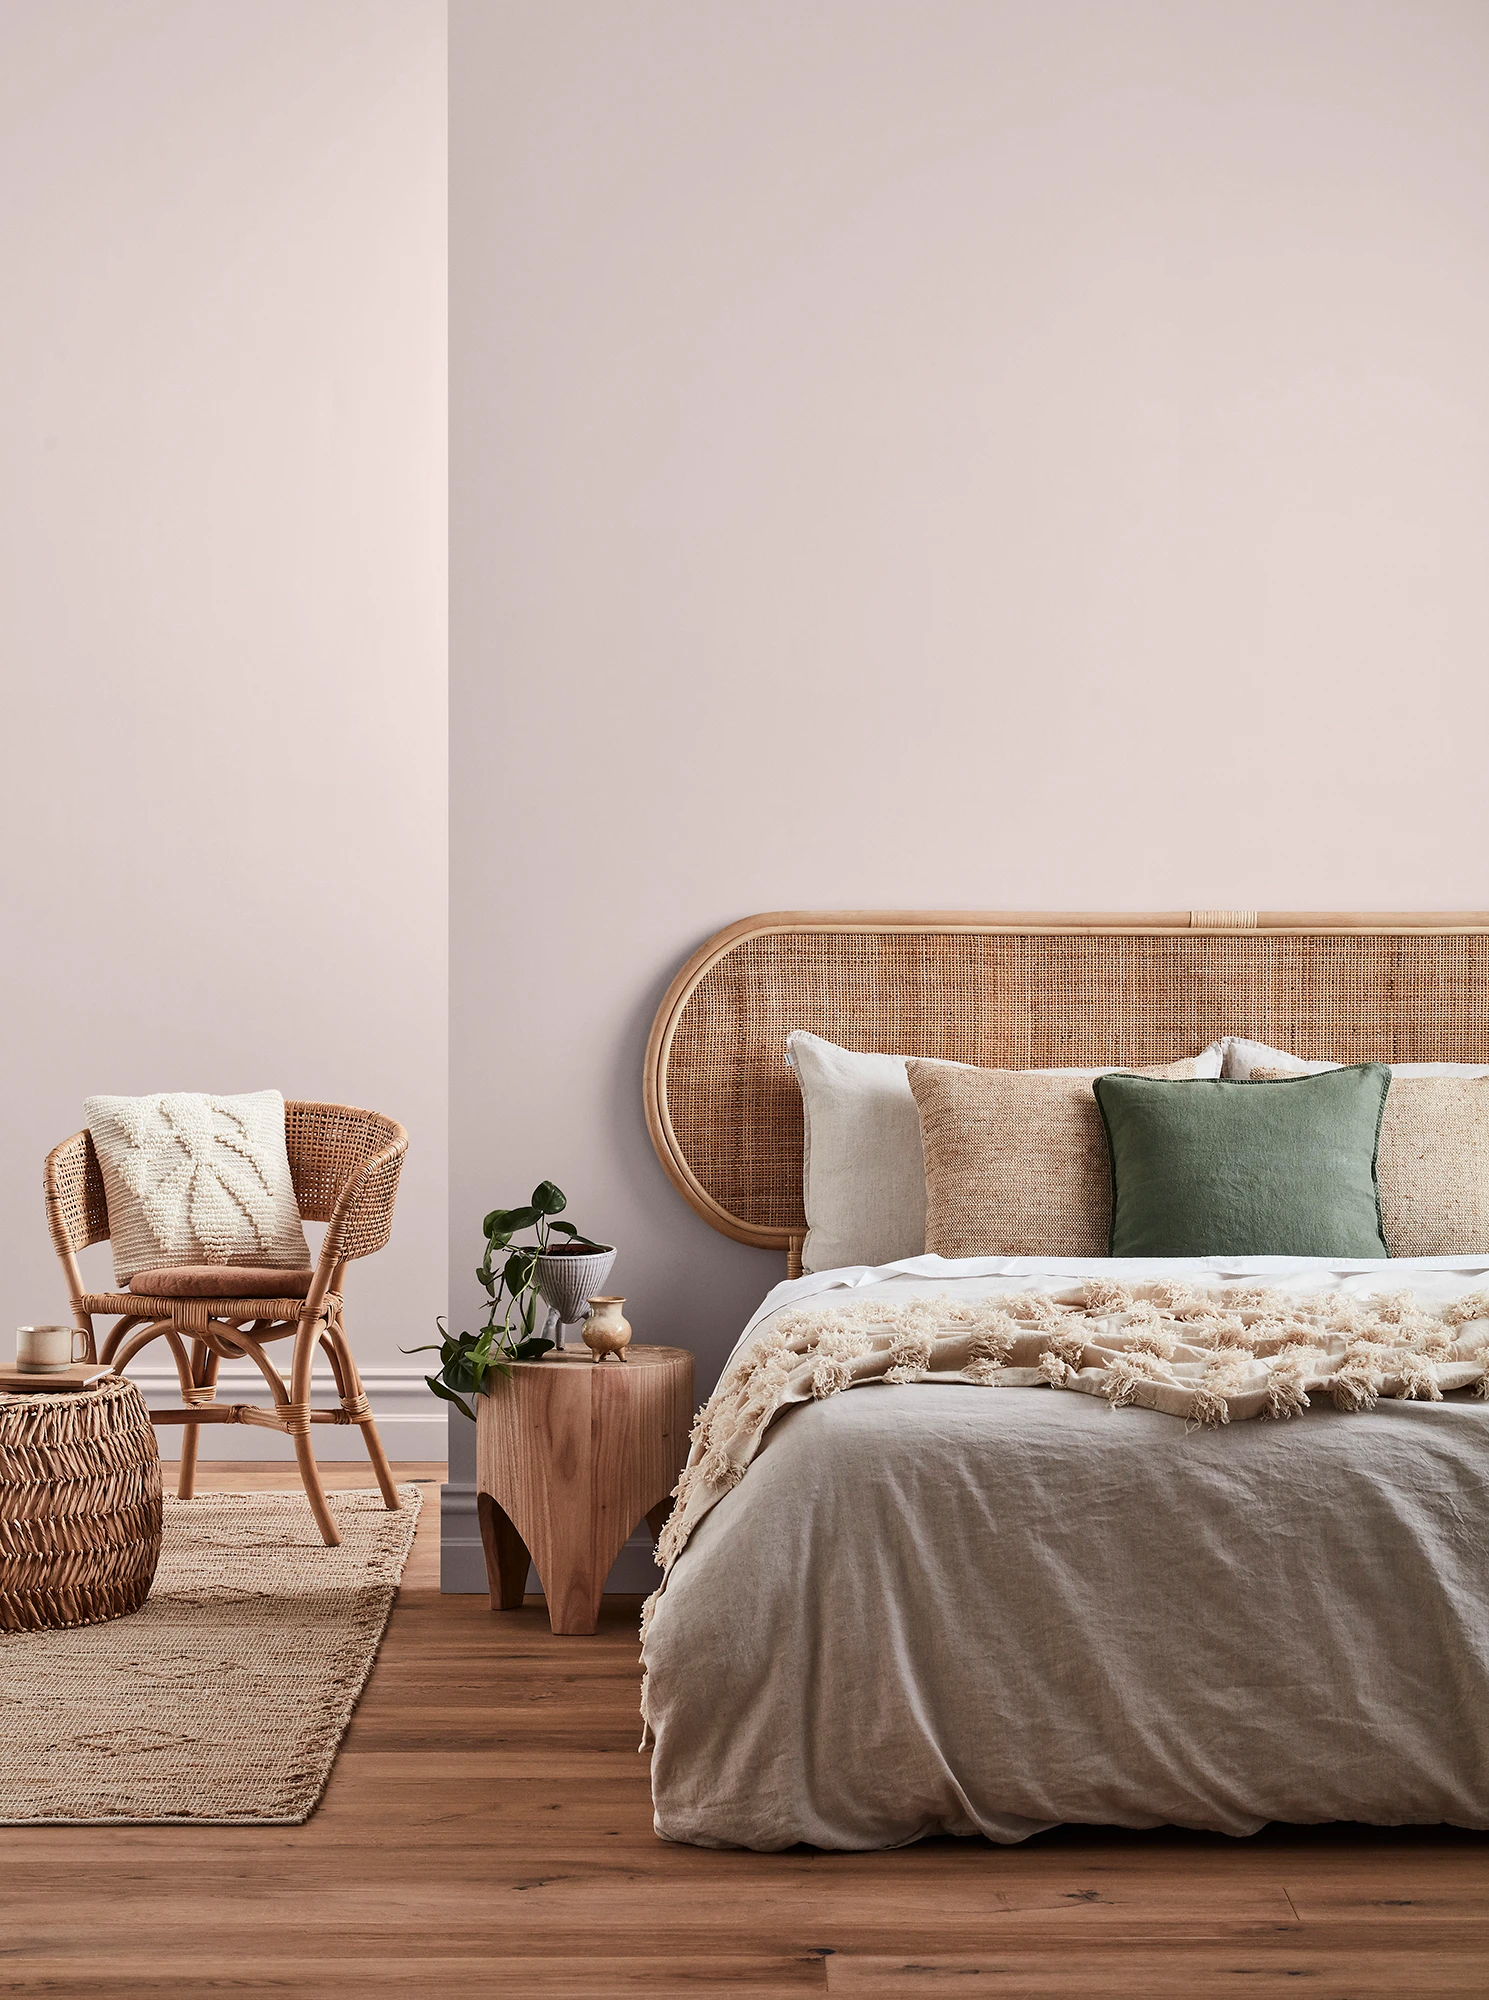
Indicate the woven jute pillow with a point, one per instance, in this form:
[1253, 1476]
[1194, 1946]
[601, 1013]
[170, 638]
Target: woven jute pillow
[1016, 1161]
[1432, 1164]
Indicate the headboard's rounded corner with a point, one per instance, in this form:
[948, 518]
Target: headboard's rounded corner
[669, 1147]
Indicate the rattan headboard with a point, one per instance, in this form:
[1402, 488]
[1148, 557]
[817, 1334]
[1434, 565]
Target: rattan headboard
[1023, 992]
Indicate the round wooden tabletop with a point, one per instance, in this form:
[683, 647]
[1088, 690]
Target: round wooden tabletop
[635, 1356]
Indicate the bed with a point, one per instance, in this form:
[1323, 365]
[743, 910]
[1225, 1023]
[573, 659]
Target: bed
[926, 1608]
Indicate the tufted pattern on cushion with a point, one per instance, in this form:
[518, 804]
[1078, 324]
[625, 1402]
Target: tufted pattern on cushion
[195, 1179]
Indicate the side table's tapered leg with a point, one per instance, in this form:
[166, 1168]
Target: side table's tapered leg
[506, 1555]
[573, 1583]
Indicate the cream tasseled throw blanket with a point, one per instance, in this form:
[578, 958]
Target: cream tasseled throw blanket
[1205, 1357]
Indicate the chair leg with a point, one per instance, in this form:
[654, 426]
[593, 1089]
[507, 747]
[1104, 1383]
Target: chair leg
[380, 1465]
[349, 1383]
[299, 1424]
[186, 1477]
[204, 1361]
[315, 1493]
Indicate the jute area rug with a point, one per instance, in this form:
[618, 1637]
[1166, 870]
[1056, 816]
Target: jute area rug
[225, 1698]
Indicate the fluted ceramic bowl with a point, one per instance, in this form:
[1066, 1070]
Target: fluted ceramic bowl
[568, 1279]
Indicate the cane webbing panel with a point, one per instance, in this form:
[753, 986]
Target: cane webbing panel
[725, 1111]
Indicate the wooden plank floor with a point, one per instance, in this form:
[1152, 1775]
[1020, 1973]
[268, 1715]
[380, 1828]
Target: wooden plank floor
[488, 1831]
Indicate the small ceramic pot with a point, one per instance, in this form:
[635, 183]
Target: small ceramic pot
[566, 1278]
[607, 1330]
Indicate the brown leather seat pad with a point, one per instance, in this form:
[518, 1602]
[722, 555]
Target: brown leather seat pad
[220, 1281]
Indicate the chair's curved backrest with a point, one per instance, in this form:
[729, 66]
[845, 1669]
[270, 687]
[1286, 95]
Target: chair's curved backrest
[77, 1208]
[329, 1147]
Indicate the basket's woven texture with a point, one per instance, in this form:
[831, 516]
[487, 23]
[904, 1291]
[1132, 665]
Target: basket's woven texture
[226, 1698]
[79, 1506]
[1037, 999]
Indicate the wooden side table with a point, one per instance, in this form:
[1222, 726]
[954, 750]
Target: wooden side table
[570, 1454]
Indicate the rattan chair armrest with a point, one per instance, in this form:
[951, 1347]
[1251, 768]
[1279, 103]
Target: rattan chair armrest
[362, 1220]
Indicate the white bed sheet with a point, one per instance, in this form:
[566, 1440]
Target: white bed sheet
[937, 1608]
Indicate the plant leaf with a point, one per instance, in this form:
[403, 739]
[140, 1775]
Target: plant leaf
[562, 1229]
[449, 1396]
[517, 1272]
[505, 1222]
[529, 1350]
[548, 1199]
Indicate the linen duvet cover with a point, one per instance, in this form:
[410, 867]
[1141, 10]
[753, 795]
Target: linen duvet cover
[937, 1606]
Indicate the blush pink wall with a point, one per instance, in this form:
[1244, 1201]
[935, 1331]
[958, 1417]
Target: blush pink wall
[940, 453]
[222, 574]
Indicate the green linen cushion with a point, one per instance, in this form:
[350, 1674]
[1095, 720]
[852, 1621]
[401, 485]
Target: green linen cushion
[1243, 1169]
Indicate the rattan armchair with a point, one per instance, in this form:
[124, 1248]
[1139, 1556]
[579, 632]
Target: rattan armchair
[345, 1165]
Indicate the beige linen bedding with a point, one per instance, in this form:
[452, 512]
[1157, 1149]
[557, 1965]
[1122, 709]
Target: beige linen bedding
[933, 1606]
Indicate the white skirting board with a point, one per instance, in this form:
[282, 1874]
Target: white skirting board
[410, 1421]
[462, 1567]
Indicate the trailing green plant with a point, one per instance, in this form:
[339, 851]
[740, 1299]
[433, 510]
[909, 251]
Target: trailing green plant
[467, 1361]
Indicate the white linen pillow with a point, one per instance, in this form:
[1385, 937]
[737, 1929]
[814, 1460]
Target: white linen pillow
[1241, 1057]
[196, 1179]
[863, 1167]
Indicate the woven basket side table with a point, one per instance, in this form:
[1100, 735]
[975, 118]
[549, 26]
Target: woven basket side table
[571, 1454]
[80, 1511]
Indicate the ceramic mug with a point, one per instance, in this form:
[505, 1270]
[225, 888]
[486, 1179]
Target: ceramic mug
[41, 1349]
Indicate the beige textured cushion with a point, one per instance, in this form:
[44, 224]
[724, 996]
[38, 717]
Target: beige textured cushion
[1432, 1165]
[196, 1179]
[220, 1281]
[1243, 1059]
[1016, 1162]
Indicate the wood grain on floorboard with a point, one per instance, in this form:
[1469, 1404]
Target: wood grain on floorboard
[487, 1831]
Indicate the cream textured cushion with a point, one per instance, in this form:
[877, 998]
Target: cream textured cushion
[1241, 1058]
[193, 1179]
[1432, 1162]
[1016, 1161]
[863, 1179]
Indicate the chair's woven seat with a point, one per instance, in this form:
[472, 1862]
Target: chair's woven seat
[134, 1306]
[220, 1281]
